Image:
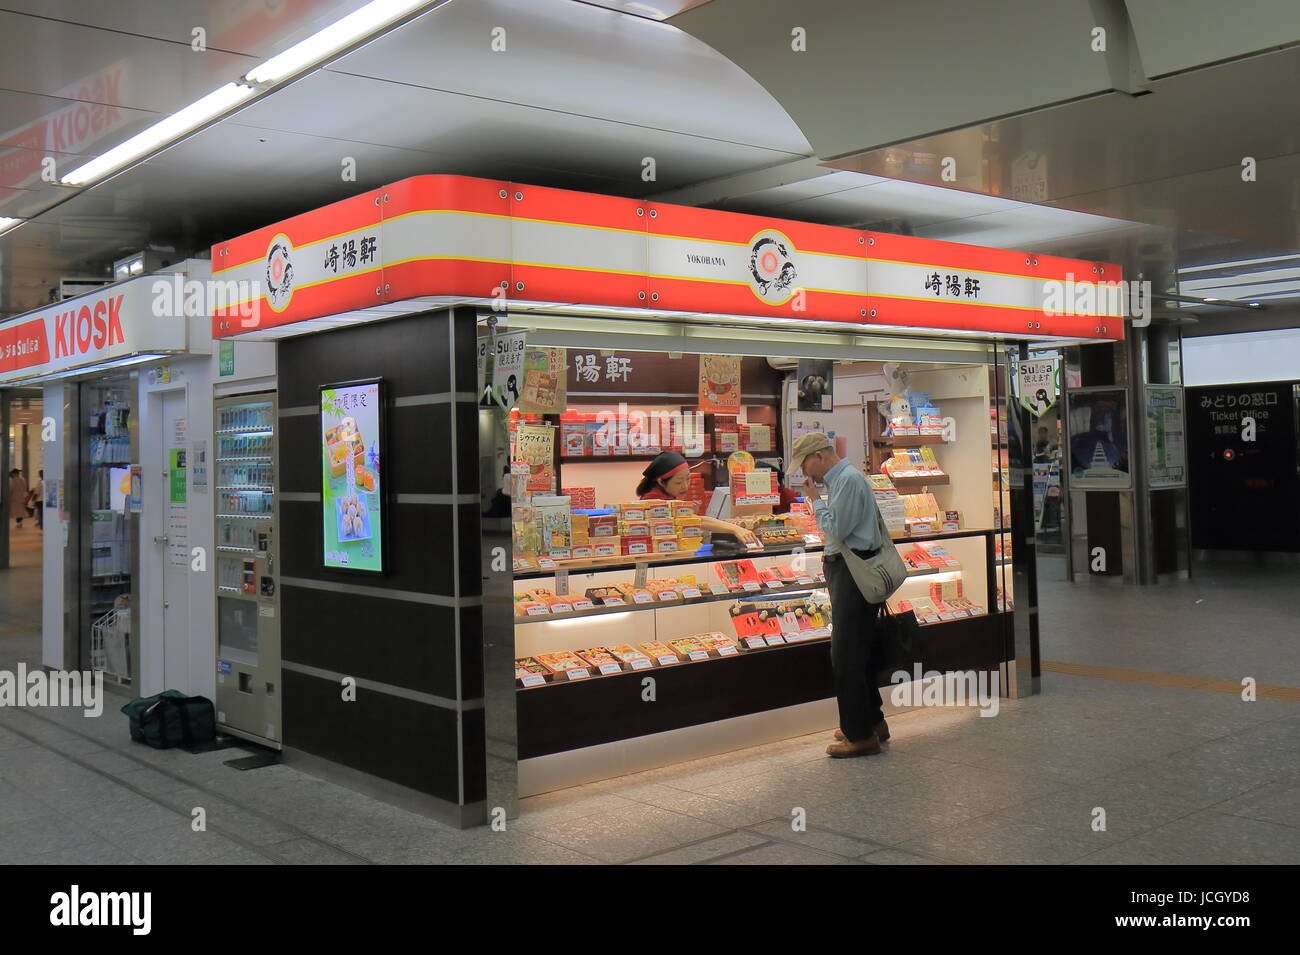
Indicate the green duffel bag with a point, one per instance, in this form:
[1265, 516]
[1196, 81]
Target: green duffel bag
[171, 719]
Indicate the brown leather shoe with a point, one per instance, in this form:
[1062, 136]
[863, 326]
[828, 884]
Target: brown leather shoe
[865, 747]
[882, 732]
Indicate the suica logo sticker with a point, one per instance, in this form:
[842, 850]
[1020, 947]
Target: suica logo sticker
[279, 273]
[772, 271]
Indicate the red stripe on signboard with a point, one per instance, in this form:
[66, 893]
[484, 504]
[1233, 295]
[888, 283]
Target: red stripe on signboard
[712, 225]
[988, 318]
[344, 294]
[577, 208]
[460, 193]
[544, 283]
[729, 298]
[338, 218]
[461, 277]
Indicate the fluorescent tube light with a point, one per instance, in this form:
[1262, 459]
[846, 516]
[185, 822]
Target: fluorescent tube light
[8, 222]
[161, 133]
[337, 36]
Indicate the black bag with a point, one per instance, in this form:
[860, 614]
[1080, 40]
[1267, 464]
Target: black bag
[898, 635]
[171, 719]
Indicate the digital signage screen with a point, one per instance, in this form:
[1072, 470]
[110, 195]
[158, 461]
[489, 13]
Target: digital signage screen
[352, 489]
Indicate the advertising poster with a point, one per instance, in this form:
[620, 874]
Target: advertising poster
[508, 369]
[1099, 456]
[1037, 384]
[351, 489]
[815, 378]
[176, 474]
[545, 371]
[1166, 444]
[535, 457]
[720, 384]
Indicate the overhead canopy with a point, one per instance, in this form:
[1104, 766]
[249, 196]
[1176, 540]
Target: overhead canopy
[453, 238]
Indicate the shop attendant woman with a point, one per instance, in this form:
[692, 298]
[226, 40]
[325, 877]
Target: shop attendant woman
[667, 478]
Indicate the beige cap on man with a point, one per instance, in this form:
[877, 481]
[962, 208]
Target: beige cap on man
[810, 443]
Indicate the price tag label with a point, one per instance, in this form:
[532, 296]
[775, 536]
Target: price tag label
[533, 679]
[750, 585]
[641, 663]
[608, 668]
[698, 654]
[667, 659]
[690, 593]
[538, 611]
[719, 589]
[774, 585]
[755, 642]
[583, 604]
[578, 673]
[669, 595]
[561, 608]
[805, 581]
[821, 578]
[643, 597]
[546, 563]
[614, 602]
[754, 546]
[727, 651]
[562, 582]
[775, 639]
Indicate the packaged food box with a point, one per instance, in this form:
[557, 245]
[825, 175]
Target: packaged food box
[582, 551]
[685, 646]
[664, 527]
[718, 641]
[658, 651]
[664, 545]
[659, 510]
[634, 546]
[607, 546]
[684, 509]
[602, 527]
[561, 662]
[598, 656]
[527, 666]
[634, 528]
[628, 654]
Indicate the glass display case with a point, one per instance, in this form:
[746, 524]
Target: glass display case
[109, 532]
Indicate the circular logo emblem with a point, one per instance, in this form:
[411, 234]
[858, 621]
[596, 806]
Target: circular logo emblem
[279, 273]
[772, 271]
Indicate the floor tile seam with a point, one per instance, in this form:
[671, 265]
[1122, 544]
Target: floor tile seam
[766, 840]
[189, 784]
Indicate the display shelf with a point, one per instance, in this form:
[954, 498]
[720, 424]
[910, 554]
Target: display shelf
[261, 431]
[248, 517]
[910, 441]
[563, 715]
[246, 487]
[909, 485]
[601, 458]
[704, 598]
[236, 550]
[255, 457]
[624, 562]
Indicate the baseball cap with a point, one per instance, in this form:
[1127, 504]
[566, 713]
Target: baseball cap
[810, 443]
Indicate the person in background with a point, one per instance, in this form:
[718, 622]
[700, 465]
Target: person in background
[17, 496]
[847, 518]
[38, 499]
[667, 478]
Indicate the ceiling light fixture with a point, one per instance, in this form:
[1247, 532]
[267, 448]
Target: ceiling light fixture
[336, 37]
[8, 222]
[162, 133]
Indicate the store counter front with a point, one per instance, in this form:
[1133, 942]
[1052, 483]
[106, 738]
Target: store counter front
[472, 552]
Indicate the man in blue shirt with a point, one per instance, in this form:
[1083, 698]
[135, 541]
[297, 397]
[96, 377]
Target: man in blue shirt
[847, 518]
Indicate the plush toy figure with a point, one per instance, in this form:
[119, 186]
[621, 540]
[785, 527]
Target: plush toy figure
[900, 412]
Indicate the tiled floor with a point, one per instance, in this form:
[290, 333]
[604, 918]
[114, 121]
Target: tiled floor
[1092, 770]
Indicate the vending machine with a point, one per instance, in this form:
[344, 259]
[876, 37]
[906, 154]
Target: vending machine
[247, 578]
